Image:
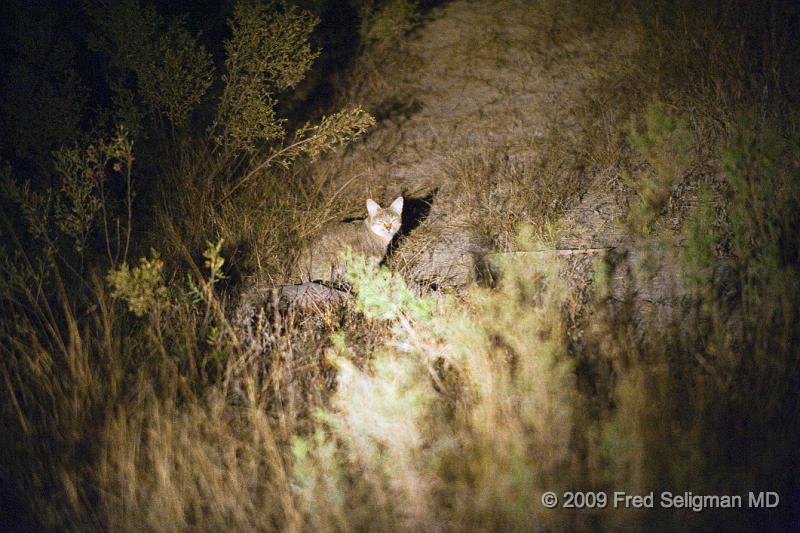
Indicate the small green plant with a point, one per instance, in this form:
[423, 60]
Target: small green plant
[142, 287]
[78, 210]
[667, 146]
[385, 296]
[203, 290]
[215, 354]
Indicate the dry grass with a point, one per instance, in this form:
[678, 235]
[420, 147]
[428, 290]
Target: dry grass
[410, 412]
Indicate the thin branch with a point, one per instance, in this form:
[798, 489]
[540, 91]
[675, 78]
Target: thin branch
[129, 202]
[264, 164]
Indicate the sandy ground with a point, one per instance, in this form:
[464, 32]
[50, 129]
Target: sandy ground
[475, 81]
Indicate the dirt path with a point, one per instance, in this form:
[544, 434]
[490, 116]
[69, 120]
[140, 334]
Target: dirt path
[469, 80]
[479, 82]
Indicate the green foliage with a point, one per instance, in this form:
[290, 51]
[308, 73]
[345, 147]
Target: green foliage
[313, 140]
[332, 131]
[459, 416]
[203, 290]
[267, 51]
[214, 261]
[78, 210]
[667, 146]
[35, 206]
[142, 287]
[176, 83]
[284, 46]
[157, 65]
[75, 364]
[74, 207]
[730, 353]
[383, 295]
[699, 254]
[764, 198]
[381, 417]
[665, 142]
[215, 354]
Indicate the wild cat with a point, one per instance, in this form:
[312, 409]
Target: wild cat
[322, 261]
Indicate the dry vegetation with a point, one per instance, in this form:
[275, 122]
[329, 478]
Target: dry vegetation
[136, 396]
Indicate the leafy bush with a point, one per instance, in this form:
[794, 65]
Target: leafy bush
[667, 146]
[131, 400]
[79, 202]
[155, 68]
[266, 48]
[141, 287]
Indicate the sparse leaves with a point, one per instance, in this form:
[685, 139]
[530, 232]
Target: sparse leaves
[77, 206]
[73, 207]
[169, 70]
[287, 51]
[314, 140]
[202, 291]
[35, 206]
[175, 85]
[332, 131]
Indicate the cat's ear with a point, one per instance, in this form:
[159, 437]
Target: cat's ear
[372, 207]
[397, 205]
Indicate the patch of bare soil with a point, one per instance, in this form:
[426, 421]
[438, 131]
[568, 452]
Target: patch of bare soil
[477, 123]
[474, 83]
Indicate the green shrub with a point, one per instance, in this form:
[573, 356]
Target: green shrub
[667, 146]
[79, 202]
[268, 51]
[142, 287]
[156, 69]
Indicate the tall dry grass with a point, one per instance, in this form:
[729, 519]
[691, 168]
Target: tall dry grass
[408, 412]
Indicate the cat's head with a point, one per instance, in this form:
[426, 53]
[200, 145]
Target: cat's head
[384, 222]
